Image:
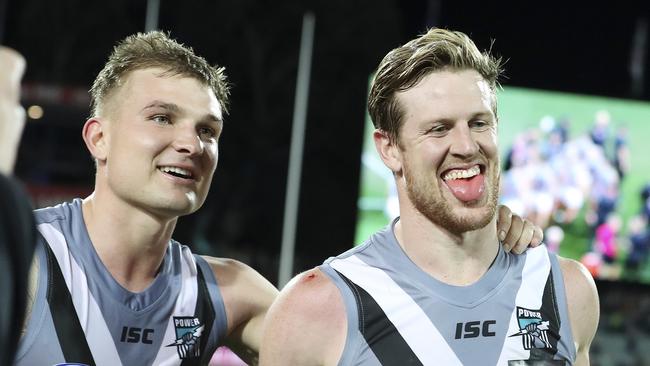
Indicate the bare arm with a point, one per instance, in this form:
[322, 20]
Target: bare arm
[247, 297]
[584, 308]
[307, 325]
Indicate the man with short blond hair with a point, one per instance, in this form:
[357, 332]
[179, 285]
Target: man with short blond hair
[435, 287]
[113, 287]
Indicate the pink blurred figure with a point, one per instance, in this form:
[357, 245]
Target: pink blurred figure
[223, 356]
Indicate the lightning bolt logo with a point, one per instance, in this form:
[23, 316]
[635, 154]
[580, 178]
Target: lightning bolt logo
[533, 330]
[188, 337]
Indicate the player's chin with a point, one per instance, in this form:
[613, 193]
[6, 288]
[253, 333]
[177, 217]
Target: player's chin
[181, 206]
[467, 224]
[474, 218]
[189, 207]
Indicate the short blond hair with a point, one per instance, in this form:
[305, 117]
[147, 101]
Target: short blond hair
[156, 49]
[403, 67]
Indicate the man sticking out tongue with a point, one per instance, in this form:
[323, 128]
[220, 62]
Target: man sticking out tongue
[435, 287]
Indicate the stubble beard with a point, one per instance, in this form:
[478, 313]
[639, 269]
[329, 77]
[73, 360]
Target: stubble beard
[437, 209]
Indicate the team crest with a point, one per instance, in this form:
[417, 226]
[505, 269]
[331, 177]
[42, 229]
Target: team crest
[188, 337]
[532, 329]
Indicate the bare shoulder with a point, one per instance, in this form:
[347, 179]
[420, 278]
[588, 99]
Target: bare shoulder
[225, 266]
[313, 296]
[245, 292]
[583, 303]
[231, 272]
[307, 325]
[579, 284]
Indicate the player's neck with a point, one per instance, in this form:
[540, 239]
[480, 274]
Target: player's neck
[131, 243]
[456, 259]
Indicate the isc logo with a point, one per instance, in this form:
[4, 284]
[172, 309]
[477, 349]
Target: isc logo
[475, 329]
[136, 335]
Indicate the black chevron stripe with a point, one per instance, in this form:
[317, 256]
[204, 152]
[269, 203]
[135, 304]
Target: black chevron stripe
[204, 310]
[383, 338]
[550, 313]
[66, 323]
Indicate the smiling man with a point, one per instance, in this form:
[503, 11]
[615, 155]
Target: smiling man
[110, 285]
[435, 287]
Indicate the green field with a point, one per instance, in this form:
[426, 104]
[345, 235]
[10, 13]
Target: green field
[521, 109]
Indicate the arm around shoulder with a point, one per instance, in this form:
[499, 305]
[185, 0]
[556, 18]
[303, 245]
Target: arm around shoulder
[247, 296]
[307, 324]
[583, 304]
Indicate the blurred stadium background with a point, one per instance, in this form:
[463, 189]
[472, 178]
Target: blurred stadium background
[575, 74]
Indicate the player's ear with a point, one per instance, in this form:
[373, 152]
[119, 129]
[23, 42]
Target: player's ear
[96, 138]
[388, 150]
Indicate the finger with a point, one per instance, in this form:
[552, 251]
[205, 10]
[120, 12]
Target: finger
[512, 237]
[503, 221]
[525, 238]
[538, 237]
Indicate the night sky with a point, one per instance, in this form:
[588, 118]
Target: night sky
[548, 45]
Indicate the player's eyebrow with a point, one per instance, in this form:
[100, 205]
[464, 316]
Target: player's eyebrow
[172, 107]
[175, 108]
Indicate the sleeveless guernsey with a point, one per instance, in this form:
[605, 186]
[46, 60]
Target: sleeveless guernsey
[81, 314]
[515, 314]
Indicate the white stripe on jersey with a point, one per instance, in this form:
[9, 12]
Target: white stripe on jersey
[185, 306]
[535, 274]
[410, 320]
[90, 316]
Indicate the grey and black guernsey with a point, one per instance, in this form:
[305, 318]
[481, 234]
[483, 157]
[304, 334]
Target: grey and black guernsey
[515, 314]
[81, 314]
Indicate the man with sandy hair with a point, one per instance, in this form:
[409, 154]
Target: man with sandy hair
[113, 287]
[435, 287]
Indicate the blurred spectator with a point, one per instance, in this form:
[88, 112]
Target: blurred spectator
[600, 131]
[639, 244]
[593, 262]
[553, 238]
[223, 356]
[621, 153]
[645, 198]
[605, 243]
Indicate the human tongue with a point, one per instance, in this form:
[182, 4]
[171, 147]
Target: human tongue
[467, 189]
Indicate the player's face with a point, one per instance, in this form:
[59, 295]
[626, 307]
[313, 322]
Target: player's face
[162, 142]
[449, 154]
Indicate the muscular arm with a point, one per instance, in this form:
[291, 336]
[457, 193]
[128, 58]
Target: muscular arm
[247, 297]
[584, 309]
[307, 325]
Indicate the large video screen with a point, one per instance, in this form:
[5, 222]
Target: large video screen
[576, 165]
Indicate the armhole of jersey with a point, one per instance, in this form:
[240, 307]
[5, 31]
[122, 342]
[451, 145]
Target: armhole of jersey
[565, 330]
[37, 314]
[220, 324]
[352, 339]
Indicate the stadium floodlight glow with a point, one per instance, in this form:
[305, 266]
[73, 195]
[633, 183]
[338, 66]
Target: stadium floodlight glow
[35, 112]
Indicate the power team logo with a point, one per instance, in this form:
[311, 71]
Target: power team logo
[532, 329]
[188, 337]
